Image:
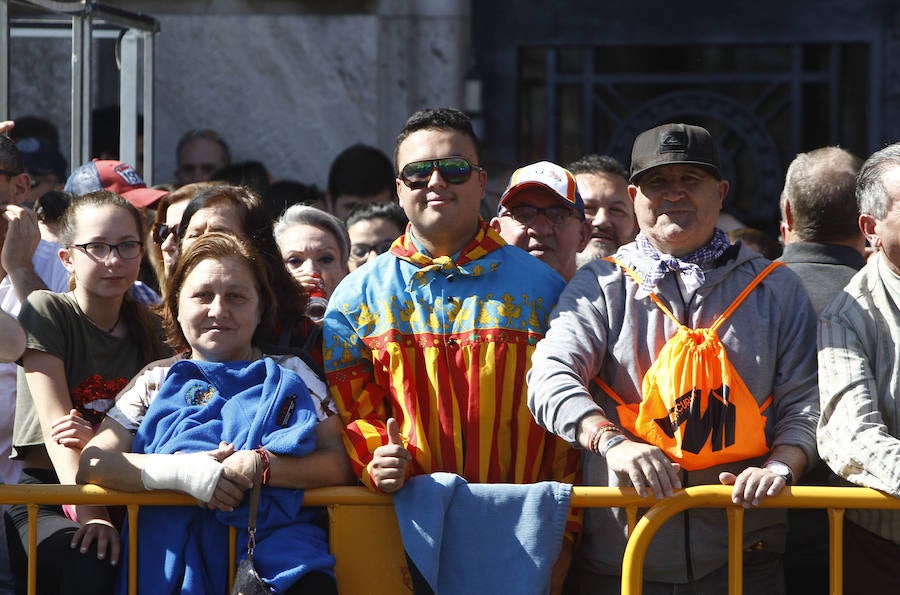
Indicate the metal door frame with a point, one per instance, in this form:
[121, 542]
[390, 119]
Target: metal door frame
[137, 33]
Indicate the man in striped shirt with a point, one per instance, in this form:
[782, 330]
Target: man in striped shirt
[426, 348]
[859, 431]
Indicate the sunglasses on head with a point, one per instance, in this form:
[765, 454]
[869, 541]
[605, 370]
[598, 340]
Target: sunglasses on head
[161, 232]
[454, 170]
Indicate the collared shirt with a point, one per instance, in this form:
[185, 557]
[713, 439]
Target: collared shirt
[859, 386]
[824, 268]
[443, 346]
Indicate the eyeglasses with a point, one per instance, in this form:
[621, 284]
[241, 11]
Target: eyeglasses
[10, 173]
[526, 214]
[454, 170]
[360, 251]
[100, 250]
[161, 232]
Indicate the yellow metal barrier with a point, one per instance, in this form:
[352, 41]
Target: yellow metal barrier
[344, 504]
[365, 538]
[835, 499]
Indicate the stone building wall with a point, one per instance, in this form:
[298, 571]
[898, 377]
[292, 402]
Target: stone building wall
[289, 87]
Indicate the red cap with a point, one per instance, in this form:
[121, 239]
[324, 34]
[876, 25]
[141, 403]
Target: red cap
[114, 176]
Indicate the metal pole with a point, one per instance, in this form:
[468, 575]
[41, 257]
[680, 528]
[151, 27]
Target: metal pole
[149, 105]
[87, 64]
[128, 108]
[4, 59]
[77, 84]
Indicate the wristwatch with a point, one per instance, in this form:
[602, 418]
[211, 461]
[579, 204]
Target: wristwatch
[781, 469]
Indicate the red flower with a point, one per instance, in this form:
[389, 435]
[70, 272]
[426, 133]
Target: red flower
[95, 396]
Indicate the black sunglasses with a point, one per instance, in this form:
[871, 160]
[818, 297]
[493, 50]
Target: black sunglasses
[11, 174]
[454, 170]
[161, 232]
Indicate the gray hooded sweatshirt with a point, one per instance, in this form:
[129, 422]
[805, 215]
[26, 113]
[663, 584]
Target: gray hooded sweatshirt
[603, 324]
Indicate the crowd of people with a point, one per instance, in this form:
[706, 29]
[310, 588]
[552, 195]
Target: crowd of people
[600, 328]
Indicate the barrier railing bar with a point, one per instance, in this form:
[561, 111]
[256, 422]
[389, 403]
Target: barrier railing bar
[711, 496]
[836, 549]
[32, 547]
[582, 496]
[232, 547]
[735, 550]
[133, 510]
[657, 513]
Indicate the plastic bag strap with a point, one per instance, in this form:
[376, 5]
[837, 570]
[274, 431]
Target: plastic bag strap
[637, 279]
[743, 295]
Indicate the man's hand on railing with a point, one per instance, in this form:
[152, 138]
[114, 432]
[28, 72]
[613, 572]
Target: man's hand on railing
[97, 528]
[752, 485]
[646, 466]
[72, 430]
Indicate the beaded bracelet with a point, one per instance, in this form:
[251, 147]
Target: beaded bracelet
[595, 443]
[614, 441]
[597, 433]
[264, 456]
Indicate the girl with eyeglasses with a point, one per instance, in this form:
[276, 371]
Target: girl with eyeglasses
[82, 348]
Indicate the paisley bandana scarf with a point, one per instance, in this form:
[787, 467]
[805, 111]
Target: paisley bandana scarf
[690, 266]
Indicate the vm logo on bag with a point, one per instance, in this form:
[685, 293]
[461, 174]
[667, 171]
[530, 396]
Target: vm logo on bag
[718, 421]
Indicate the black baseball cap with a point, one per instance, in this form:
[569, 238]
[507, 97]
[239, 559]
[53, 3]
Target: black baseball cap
[678, 144]
[41, 157]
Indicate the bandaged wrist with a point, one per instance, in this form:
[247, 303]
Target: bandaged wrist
[196, 474]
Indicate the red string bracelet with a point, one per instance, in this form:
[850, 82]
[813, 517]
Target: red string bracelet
[265, 461]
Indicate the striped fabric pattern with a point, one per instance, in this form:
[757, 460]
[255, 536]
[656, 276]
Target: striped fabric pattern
[447, 358]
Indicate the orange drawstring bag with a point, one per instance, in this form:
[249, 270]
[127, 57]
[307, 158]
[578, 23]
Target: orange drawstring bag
[695, 406]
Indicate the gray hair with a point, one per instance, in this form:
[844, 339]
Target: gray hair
[871, 195]
[820, 189]
[306, 215]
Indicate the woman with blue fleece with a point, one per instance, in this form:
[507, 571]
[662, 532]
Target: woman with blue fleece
[200, 421]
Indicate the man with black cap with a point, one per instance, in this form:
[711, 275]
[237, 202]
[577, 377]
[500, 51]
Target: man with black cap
[752, 425]
[542, 213]
[44, 164]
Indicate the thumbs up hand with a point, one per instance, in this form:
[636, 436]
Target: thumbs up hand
[393, 430]
[389, 462]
